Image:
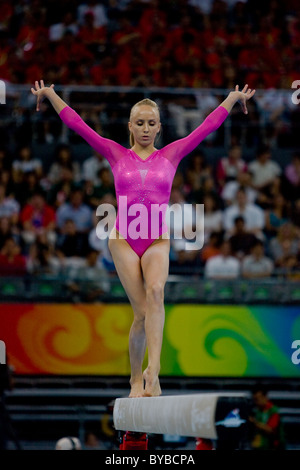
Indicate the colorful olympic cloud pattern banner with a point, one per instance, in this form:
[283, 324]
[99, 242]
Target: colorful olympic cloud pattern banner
[199, 340]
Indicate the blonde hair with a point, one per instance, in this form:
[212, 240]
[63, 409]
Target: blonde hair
[147, 102]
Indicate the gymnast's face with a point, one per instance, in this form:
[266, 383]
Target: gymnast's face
[144, 124]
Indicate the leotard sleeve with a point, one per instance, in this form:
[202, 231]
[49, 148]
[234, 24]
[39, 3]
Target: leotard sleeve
[110, 150]
[182, 147]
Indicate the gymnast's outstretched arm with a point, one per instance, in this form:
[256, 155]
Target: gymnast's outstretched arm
[111, 150]
[182, 147]
[41, 91]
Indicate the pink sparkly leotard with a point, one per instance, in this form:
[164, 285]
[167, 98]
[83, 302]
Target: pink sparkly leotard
[143, 187]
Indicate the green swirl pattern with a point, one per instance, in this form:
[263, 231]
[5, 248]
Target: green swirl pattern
[232, 341]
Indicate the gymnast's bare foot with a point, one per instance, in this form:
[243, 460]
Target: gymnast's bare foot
[152, 385]
[137, 389]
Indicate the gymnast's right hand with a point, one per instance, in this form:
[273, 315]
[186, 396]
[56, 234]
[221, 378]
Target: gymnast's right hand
[40, 92]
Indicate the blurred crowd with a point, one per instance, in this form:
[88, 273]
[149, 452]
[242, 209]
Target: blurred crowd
[174, 43]
[48, 221]
[250, 223]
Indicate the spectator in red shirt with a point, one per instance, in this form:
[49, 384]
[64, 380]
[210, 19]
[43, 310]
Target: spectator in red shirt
[153, 21]
[90, 34]
[183, 31]
[7, 11]
[211, 248]
[70, 48]
[32, 29]
[12, 262]
[38, 218]
[5, 52]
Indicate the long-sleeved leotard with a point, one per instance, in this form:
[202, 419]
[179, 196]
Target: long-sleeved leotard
[143, 187]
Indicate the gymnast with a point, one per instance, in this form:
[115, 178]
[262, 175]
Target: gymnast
[144, 174]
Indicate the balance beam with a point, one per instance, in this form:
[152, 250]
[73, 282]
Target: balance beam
[205, 415]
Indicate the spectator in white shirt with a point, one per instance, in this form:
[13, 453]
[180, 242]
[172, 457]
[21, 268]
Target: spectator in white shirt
[25, 164]
[63, 160]
[253, 215]
[88, 281]
[91, 167]
[243, 180]
[9, 207]
[257, 265]
[223, 266]
[205, 6]
[57, 30]
[263, 169]
[98, 11]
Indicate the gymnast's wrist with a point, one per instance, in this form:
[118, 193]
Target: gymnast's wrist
[49, 92]
[234, 96]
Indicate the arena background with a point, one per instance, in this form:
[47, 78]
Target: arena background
[64, 316]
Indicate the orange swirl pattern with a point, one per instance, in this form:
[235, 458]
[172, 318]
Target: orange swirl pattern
[67, 338]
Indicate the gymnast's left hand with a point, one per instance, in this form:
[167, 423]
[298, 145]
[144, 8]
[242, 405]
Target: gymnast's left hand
[40, 92]
[243, 96]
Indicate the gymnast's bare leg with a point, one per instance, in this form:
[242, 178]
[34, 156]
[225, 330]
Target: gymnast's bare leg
[128, 267]
[143, 281]
[155, 267]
